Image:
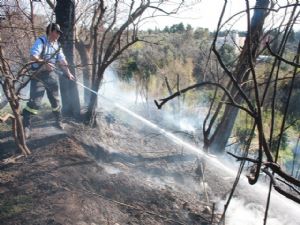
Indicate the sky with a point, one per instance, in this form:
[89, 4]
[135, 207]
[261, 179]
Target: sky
[205, 14]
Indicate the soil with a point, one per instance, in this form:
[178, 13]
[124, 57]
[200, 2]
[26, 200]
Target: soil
[113, 174]
[121, 172]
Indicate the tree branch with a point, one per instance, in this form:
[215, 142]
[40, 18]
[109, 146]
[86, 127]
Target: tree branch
[279, 189]
[51, 4]
[297, 65]
[178, 93]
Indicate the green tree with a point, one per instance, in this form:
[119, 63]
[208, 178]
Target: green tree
[227, 52]
[177, 28]
[166, 29]
[201, 33]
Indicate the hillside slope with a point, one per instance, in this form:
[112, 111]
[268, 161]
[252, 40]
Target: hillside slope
[124, 172]
[116, 174]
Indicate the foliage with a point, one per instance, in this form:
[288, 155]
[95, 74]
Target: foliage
[227, 53]
[285, 156]
[283, 143]
[243, 134]
[13, 206]
[173, 56]
[294, 106]
[201, 34]
[177, 28]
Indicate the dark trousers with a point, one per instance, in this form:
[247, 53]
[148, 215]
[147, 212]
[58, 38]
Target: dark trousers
[43, 82]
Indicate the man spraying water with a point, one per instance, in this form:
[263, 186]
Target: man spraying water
[46, 53]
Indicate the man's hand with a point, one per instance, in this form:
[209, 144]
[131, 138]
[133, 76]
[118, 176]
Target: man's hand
[71, 76]
[65, 68]
[49, 66]
[43, 65]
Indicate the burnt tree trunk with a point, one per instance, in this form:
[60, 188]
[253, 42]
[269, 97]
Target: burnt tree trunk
[65, 17]
[223, 131]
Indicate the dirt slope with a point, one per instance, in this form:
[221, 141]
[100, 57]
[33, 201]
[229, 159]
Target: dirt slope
[116, 174]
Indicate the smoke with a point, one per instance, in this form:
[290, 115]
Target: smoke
[115, 91]
[110, 169]
[112, 89]
[249, 207]
[252, 213]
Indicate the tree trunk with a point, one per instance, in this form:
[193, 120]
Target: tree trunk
[84, 53]
[223, 131]
[90, 116]
[65, 17]
[13, 99]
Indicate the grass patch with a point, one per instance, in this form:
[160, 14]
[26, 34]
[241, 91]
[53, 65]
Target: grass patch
[6, 126]
[14, 206]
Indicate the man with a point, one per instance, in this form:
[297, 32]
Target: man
[46, 53]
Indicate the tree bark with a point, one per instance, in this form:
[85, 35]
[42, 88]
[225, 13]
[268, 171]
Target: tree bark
[84, 53]
[65, 17]
[90, 116]
[252, 43]
[13, 99]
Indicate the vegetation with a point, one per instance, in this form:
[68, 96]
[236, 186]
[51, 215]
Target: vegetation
[15, 206]
[256, 86]
[157, 64]
[250, 90]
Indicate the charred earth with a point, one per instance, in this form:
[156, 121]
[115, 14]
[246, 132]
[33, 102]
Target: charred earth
[113, 174]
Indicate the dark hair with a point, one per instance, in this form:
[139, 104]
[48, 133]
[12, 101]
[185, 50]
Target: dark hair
[52, 27]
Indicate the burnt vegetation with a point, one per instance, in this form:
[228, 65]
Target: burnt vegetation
[242, 88]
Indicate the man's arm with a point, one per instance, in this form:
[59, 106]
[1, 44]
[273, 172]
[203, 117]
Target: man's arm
[36, 52]
[64, 65]
[36, 59]
[48, 66]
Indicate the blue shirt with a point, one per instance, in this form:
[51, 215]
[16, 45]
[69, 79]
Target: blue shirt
[52, 51]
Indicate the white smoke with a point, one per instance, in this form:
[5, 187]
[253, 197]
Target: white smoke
[240, 212]
[249, 207]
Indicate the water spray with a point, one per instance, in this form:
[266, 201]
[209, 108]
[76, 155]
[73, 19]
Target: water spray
[85, 87]
[169, 135]
[285, 205]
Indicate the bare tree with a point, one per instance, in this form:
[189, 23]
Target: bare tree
[17, 25]
[65, 16]
[8, 80]
[241, 73]
[116, 29]
[86, 13]
[236, 98]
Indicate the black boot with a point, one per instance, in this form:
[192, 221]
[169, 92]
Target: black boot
[27, 123]
[58, 120]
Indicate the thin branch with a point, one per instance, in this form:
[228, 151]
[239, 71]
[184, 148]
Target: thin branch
[297, 65]
[51, 4]
[178, 93]
[279, 189]
[291, 186]
[239, 158]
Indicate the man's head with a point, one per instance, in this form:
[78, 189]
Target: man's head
[53, 27]
[53, 31]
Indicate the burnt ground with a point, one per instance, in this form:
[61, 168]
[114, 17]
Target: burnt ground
[119, 173]
[114, 174]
